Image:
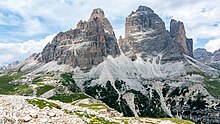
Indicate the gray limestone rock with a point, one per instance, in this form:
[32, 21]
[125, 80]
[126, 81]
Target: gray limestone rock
[85, 46]
[145, 34]
[177, 32]
[144, 19]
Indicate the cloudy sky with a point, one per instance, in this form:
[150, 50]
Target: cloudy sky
[26, 26]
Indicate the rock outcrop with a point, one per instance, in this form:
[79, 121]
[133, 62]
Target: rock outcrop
[177, 32]
[143, 20]
[85, 46]
[216, 56]
[145, 34]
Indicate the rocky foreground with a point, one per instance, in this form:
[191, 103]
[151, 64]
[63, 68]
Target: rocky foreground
[31, 110]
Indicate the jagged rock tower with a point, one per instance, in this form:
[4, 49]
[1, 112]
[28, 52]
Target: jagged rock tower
[146, 35]
[177, 32]
[84, 46]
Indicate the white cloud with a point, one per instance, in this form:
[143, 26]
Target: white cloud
[213, 45]
[17, 51]
[201, 17]
[5, 58]
[198, 16]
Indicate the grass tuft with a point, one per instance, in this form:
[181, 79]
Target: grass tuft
[42, 103]
[97, 106]
[178, 121]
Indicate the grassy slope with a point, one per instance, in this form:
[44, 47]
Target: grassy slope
[43, 89]
[43, 103]
[213, 86]
[8, 88]
[68, 98]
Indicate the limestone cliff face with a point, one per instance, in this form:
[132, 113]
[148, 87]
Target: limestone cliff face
[177, 32]
[85, 46]
[143, 20]
[93, 40]
[145, 34]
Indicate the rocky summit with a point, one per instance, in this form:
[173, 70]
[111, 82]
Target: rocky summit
[150, 72]
[84, 46]
[145, 33]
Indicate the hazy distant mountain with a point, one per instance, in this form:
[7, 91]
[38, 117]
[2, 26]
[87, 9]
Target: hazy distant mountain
[212, 59]
[9, 66]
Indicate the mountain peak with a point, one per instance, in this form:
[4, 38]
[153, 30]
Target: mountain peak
[144, 8]
[176, 27]
[143, 20]
[98, 17]
[97, 13]
[178, 33]
[85, 46]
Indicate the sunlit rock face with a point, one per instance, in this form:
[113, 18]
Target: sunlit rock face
[84, 46]
[146, 35]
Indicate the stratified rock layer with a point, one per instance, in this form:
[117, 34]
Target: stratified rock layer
[84, 46]
[145, 34]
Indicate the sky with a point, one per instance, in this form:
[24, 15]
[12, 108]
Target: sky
[26, 26]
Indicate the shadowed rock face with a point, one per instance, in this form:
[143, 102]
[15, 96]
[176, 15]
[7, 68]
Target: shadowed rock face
[84, 46]
[145, 34]
[177, 32]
